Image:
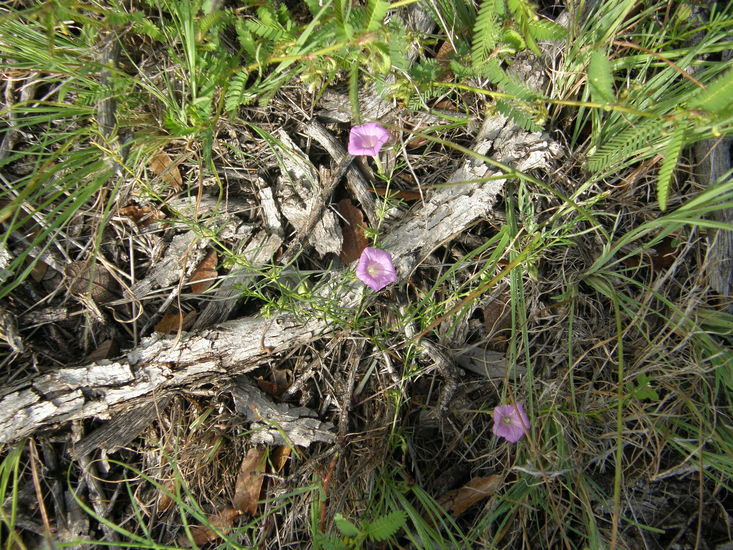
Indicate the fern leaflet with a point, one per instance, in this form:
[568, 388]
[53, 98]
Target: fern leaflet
[624, 145]
[519, 116]
[717, 96]
[542, 29]
[600, 80]
[235, 94]
[671, 156]
[485, 33]
[384, 527]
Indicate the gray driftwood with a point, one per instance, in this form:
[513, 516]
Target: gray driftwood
[162, 363]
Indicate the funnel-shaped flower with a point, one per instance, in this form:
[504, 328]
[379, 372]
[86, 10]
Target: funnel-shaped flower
[375, 268]
[510, 422]
[367, 139]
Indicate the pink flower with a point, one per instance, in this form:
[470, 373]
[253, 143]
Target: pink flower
[375, 268]
[510, 422]
[367, 139]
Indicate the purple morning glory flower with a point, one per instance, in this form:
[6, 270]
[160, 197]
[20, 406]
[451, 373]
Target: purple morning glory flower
[510, 422]
[375, 268]
[367, 139]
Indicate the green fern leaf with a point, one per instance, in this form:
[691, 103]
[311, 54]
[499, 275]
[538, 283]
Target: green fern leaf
[398, 46]
[235, 93]
[600, 79]
[542, 29]
[148, 28]
[485, 33]
[210, 21]
[625, 144]
[517, 115]
[671, 156]
[245, 37]
[347, 528]
[717, 97]
[384, 527]
[376, 11]
[506, 82]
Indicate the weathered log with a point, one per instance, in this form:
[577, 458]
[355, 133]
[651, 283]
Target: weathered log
[163, 363]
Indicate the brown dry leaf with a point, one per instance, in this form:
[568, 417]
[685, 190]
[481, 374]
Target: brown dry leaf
[141, 216]
[498, 318]
[39, 271]
[89, 277]
[173, 322]
[458, 501]
[661, 257]
[400, 194]
[105, 350]
[163, 167]
[443, 58]
[280, 457]
[354, 239]
[249, 481]
[201, 535]
[204, 275]
[165, 500]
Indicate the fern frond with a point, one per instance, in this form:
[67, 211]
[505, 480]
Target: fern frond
[376, 10]
[671, 155]
[485, 33]
[717, 97]
[516, 114]
[384, 527]
[212, 20]
[600, 79]
[148, 28]
[542, 29]
[235, 93]
[506, 82]
[398, 45]
[625, 144]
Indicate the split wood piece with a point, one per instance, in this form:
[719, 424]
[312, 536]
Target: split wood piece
[270, 421]
[713, 161]
[355, 180]
[301, 195]
[162, 363]
[122, 429]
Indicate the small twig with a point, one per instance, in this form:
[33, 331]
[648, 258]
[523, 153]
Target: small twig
[37, 487]
[326, 483]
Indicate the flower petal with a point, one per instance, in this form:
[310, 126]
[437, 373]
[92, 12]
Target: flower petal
[375, 268]
[367, 139]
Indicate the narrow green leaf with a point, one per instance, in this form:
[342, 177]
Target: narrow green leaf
[600, 79]
[671, 156]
